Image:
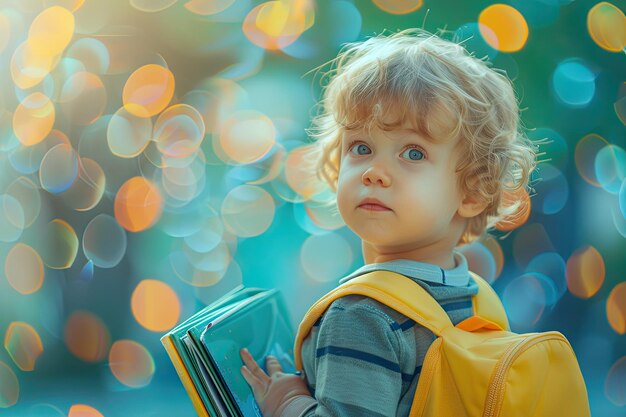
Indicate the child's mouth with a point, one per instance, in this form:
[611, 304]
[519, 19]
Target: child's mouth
[373, 207]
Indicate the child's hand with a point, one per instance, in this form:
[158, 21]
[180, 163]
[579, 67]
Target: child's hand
[274, 392]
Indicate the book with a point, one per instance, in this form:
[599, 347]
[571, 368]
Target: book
[205, 349]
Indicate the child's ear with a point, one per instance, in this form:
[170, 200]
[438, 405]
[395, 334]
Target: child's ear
[471, 206]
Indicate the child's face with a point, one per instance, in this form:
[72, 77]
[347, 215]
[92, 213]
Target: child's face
[414, 178]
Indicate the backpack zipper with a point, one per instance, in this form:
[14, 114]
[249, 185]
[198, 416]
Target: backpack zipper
[496, 393]
[432, 359]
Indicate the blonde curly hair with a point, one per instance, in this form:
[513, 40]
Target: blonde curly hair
[436, 86]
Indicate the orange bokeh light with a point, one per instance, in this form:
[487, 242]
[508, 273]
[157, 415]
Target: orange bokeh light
[155, 305]
[148, 90]
[585, 272]
[507, 24]
[138, 204]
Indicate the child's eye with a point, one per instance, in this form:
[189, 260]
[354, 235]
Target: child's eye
[361, 148]
[414, 154]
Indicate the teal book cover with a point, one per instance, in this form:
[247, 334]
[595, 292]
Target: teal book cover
[205, 349]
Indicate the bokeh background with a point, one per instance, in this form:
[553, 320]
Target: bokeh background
[151, 159]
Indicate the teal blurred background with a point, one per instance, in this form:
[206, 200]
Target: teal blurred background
[150, 161]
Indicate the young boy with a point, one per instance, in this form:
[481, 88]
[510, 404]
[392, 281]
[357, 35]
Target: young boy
[420, 141]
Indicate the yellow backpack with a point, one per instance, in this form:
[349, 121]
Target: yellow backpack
[477, 368]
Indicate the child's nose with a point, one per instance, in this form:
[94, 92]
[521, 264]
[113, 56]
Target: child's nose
[376, 175]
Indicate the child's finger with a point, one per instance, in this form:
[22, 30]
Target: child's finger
[252, 380]
[253, 367]
[273, 365]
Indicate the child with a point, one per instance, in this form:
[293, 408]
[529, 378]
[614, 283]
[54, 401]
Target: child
[420, 141]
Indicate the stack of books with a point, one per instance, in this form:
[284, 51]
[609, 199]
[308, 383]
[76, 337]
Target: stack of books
[205, 349]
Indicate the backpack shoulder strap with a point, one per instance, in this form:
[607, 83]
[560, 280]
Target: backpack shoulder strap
[392, 289]
[410, 299]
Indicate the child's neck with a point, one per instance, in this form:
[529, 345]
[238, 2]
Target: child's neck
[440, 256]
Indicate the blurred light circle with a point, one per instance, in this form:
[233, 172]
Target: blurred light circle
[27, 194]
[151, 6]
[64, 70]
[273, 25]
[551, 266]
[127, 134]
[552, 191]
[208, 7]
[23, 344]
[530, 241]
[12, 219]
[155, 305]
[480, 260]
[192, 275]
[131, 363]
[179, 131]
[148, 90]
[508, 25]
[585, 156]
[496, 252]
[524, 300]
[86, 336]
[333, 249]
[521, 214]
[138, 204]
[47, 87]
[59, 169]
[209, 235]
[303, 220]
[9, 386]
[247, 136]
[23, 268]
[184, 183]
[33, 119]
[51, 31]
[585, 272]
[83, 410]
[83, 98]
[87, 190]
[29, 67]
[300, 173]
[93, 144]
[610, 167]
[616, 308]
[185, 221]
[104, 241]
[606, 24]
[614, 385]
[398, 6]
[574, 83]
[92, 53]
[323, 214]
[58, 244]
[217, 259]
[248, 211]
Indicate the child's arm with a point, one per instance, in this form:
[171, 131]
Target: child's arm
[358, 357]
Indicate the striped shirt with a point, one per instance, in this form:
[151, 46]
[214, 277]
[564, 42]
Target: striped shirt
[363, 358]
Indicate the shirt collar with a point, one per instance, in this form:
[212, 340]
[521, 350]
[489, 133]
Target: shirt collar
[457, 276]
